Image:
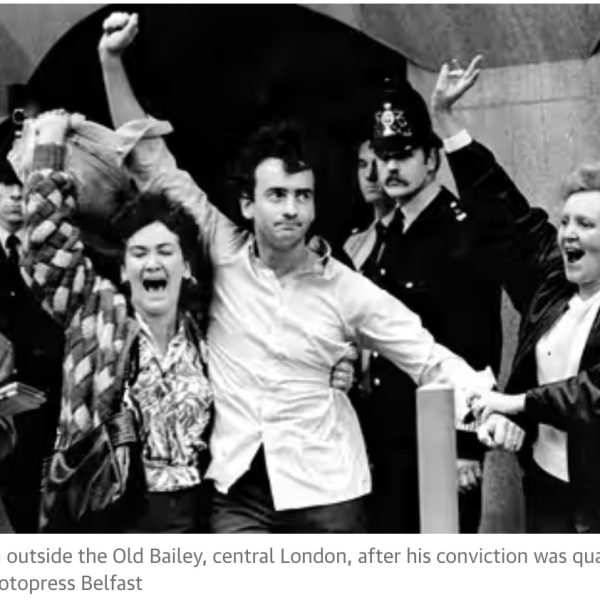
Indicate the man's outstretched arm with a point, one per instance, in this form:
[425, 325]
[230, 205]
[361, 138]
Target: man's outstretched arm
[119, 31]
[150, 163]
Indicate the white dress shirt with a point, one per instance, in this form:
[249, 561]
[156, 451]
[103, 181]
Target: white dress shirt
[272, 345]
[558, 354]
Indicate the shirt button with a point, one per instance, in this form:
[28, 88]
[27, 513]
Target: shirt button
[376, 382]
[409, 285]
[382, 271]
[375, 354]
[12, 294]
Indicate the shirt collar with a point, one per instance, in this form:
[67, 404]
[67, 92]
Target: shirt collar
[577, 301]
[4, 235]
[411, 210]
[320, 254]
[147, 332]
[385, 220]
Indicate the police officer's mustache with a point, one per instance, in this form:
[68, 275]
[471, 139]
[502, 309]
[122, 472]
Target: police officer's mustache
[395, 180]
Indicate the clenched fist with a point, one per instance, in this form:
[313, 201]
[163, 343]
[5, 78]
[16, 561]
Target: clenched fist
[118, 32]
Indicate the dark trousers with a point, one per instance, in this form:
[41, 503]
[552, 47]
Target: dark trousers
[248, 508]
[549, 503]
[182, 511]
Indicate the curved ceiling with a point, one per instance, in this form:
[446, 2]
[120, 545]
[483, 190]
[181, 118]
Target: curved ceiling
[426, 34]
[507, 34]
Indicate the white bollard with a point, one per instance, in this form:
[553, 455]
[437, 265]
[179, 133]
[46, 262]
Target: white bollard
[436, 441]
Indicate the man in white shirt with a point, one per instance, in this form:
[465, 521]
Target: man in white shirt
[287, 451]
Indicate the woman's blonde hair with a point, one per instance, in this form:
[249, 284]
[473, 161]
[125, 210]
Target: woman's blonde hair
[585, 178]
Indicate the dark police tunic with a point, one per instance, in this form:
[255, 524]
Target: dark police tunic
[38, 345]
[446, 268]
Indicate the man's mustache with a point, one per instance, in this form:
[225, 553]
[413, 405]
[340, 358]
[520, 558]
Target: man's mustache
[392, 179]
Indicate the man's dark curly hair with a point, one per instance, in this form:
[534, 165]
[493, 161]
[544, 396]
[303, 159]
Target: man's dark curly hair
[149, 207]
[285, 139]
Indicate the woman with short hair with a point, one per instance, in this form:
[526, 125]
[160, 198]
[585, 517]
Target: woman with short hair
[555, 377]
[136, 387]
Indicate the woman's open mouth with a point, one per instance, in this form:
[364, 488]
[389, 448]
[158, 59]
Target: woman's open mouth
[155, 284]
[573, 255]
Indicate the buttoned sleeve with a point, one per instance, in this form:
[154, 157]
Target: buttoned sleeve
[154, 168]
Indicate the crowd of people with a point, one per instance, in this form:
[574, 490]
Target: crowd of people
[236, 377]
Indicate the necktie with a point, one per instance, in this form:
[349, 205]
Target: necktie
[369, 268]
[12, 248]
[397, 223]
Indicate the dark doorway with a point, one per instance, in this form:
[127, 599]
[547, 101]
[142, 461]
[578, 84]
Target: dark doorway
[217, 71]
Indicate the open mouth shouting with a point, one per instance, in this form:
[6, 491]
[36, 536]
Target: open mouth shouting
[573, 255]
[154, 284]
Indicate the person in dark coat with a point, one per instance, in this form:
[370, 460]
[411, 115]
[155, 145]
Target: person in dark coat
[554, 382]
[445, 260]
[37, 342]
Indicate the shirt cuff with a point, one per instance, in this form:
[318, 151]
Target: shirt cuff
[133, 131]
[457, 141]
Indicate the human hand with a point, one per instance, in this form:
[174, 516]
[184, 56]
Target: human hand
[484, 403]
[452, 83]
[472, 385]
[342, 374]
[469, 474]
[499, 432]
[118, 32]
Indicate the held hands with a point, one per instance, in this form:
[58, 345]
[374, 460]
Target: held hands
[119, 31]
[453, 82]
[483, 404]
[499, 432]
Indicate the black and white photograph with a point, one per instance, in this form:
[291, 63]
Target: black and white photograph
[299, 268]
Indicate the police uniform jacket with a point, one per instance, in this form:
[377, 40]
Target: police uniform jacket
[448, 267]
[37, 342]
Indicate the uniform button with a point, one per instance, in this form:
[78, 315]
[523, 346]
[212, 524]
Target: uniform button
[376, 382]
[375, 354]
[409, 285]
[382, 271]
[453, 203]
[12, 294]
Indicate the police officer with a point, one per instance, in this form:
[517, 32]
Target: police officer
[37, 342]
[426, 250]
